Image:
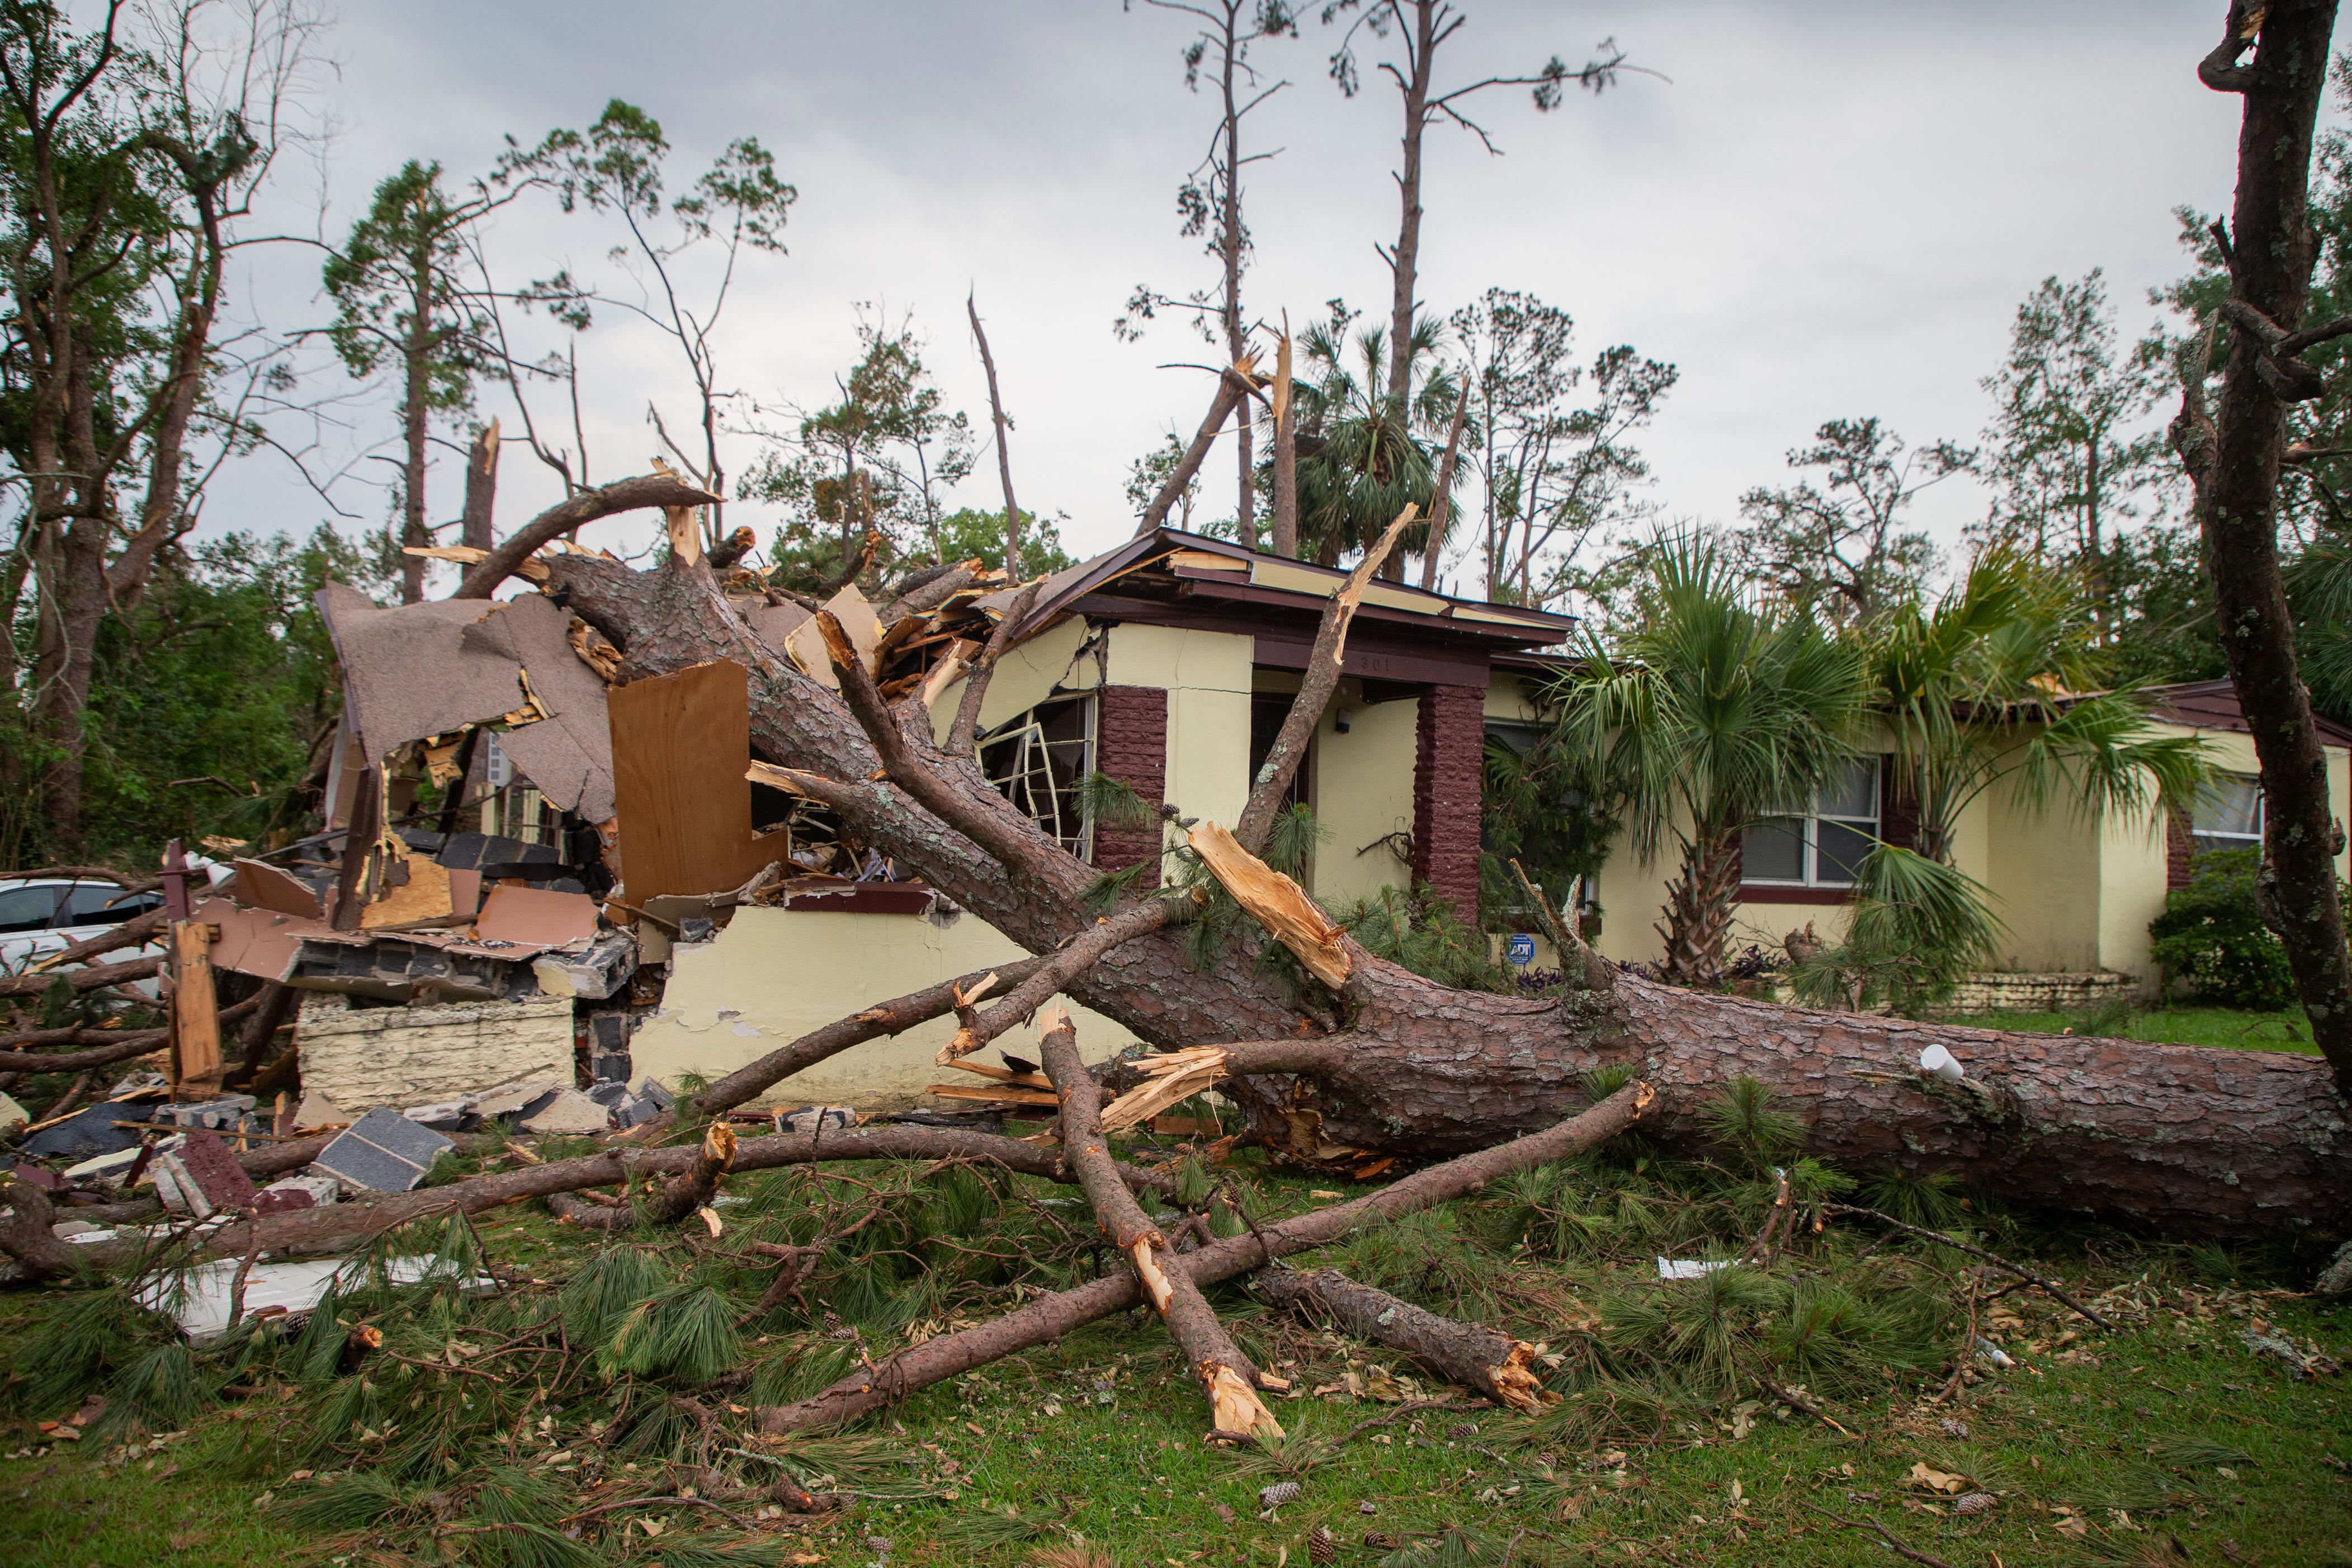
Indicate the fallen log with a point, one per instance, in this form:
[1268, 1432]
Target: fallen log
[1227, 1376]
[377, 1212]
[1472, 1354]
[918, 1367]
[2179, 1138]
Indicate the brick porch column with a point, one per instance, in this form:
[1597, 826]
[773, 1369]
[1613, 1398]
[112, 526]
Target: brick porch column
[1448, 783]
[1131, 746]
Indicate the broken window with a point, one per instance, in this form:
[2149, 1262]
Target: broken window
[1037, 761]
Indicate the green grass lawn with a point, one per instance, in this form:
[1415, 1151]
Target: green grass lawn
[2284, 1031]
[2167, 1441]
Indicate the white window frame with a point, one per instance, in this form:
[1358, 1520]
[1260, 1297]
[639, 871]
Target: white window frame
[2208, 838]
[1808, 852]
[1029, 771]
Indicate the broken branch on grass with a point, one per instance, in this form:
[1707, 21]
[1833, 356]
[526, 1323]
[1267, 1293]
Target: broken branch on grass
[1272, 785]
[1994, 1258]
[1470, 1354]
[951, 1354]
[1871, 1526]
[1226, 1375]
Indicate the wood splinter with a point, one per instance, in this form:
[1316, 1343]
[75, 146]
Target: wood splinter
[1227, 1377]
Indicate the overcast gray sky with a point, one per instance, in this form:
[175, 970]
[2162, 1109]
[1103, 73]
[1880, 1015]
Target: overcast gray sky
[1831, 209]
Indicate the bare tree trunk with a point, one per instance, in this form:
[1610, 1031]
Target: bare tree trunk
[2190, 1138]
[2233, 459]
[1003, 457]
[478, 530]
[1440, 493]
[1286, 454]
[1698, 908]
[1405, 260]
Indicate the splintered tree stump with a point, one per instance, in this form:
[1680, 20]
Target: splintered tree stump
[2174, 1137]
[1471, 1354]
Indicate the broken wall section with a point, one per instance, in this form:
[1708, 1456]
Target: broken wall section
[774, 974]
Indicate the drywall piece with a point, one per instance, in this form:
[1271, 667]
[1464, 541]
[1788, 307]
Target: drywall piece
[12, 1115]
[384, 1152]
[570, 1112]
[206, 1175]
[569, 754]
[679, 746]
[317, 1110]
[407, 1055]
[202, 1307]
[264, 943]
[106, 1170]
[265, 887]
[534, 916]
[410, 671]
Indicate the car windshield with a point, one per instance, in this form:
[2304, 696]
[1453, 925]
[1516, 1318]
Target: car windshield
[104, 904]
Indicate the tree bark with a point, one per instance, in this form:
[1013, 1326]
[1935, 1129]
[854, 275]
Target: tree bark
[1478, 1358]
[2178, 1137]
[476, 526]
[1698, 908]
[2233, 459]
[621, 495]
[1231, 390]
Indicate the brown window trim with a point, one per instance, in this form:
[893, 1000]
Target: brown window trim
[1781, 893]
[867, 899]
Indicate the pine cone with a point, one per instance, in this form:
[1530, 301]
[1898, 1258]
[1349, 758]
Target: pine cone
[1975, 1502]
[1322, 1547]
[1277, 1494]
[1381, 1540]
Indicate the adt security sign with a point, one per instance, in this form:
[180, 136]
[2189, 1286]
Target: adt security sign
[1520, 949]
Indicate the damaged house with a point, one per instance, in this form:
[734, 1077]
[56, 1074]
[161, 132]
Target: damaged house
[606, 880]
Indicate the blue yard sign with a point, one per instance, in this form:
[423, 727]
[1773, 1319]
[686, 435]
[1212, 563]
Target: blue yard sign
[1520, 949]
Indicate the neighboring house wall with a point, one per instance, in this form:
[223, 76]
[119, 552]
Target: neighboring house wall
[773, 976]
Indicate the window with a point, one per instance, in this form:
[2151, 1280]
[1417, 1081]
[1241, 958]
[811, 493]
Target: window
[1824, 850]
[27, 909]
[1037, 761]
[104, 904]
[1269, 711]
[2229, 814]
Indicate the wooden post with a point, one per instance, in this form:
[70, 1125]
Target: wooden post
[195, 1017]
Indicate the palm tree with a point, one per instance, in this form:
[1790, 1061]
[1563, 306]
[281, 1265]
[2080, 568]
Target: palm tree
[1360, 458]
[1717, 710]
[1979, 689]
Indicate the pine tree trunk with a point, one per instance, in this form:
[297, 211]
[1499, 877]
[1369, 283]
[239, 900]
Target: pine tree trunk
[2177, 1137]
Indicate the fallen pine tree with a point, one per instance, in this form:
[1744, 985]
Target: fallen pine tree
[1379, 1062]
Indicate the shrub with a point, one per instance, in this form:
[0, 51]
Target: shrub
[2210, 936]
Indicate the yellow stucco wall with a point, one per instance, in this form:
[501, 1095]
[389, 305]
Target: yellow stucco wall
[1361, 790]
[1207, 678]
[773, 976]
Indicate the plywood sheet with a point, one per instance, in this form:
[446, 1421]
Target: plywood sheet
[680, 744]
[265, 887]
[535, 915]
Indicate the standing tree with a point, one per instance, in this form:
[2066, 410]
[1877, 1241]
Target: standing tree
[1210, 199]
[876, 460]
[1363, 458]
[1718, 710]
[2232, 451]
[617, 166]
[131, 160]
[1840, 547]
[2061, 453]
[1421, 28]
[1555, 473]
[401, 302]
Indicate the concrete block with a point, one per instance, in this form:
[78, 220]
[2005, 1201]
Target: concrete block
[296, 1193]
[654, 1090]
[634, 1113]
[612, 1067]
[228, 1112]
[608, 1094]
[409, 1056]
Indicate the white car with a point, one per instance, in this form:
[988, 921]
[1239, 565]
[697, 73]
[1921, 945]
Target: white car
[39, 916]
